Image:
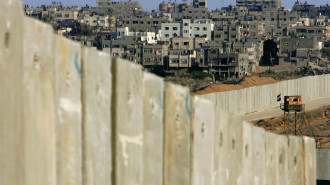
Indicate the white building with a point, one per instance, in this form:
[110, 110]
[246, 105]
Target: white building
[95, 20]
[169, 30]
[198, 29]
[149, 37]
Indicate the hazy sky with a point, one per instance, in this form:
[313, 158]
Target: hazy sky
[153, 4]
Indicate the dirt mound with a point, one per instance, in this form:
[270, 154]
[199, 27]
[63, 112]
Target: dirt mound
[255, 81]
[246, 82]
[218, 88]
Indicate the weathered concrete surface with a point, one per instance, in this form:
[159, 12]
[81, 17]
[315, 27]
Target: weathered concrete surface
[295, 161]
[251, 99]
[229, 148]
[271, 160]
[220, 132]
[68, 110]
[11, 109]
[153, 129]
[127, 122]
[247, 154]
[177, 118]
[323, 164]
[259, 161]
[235, 150]
[96, 126]
[282, 159]
[309, 157]
[202, 142]
[39, 103]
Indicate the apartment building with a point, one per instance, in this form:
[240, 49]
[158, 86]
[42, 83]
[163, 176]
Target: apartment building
[187, 29]
[95, 20]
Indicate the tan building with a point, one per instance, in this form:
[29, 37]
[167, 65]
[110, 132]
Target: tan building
[187, 43]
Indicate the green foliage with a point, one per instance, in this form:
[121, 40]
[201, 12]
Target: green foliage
[111, 12]
[87, 30]
[158, 70]
[325, 52]
[196, 72]
[292, 34]
[48, 19]
[199, 75]
[83, 30]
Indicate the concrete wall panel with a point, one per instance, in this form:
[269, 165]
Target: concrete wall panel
[202, 156]
[259, 161]
[96, 96]
[283, 155]
[323, 164]
[177, 120]
[309, 157]
[271, 160]
[222, 147]
[69, 111]
[11, 98]
[247, 154]
[235, 133]
[295, 161]
[241, 98]
[39, 103]
[153, 129]
[127, 122]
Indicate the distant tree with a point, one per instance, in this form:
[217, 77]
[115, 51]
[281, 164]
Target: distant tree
[158, 70]
[111, 13]
[83, 29]
[48, 19]
[292, 34]
[86, 30]
[325, 52]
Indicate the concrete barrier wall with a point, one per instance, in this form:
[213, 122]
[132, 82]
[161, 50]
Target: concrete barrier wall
[258, 98]
[71, 115]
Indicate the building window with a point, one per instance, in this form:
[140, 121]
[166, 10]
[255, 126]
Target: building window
[67, 15]
[174, 61]
[167, 35]
[184, 61]
[186, 43]
[174, 28]
[167, 28]
[196, 28]
[204, 28]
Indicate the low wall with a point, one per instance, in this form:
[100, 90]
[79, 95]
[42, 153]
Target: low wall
[323, 164]
[70, 115]
[258, 98]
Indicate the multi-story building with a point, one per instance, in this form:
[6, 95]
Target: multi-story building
[257, 4]
[181, 58]
[154, 55]
[187, 43]
[95, 20]
[196, 29]
[147, 37]
[320, 33]
[228, 65]
[121, 8]
[144, 23]
[298, 51]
